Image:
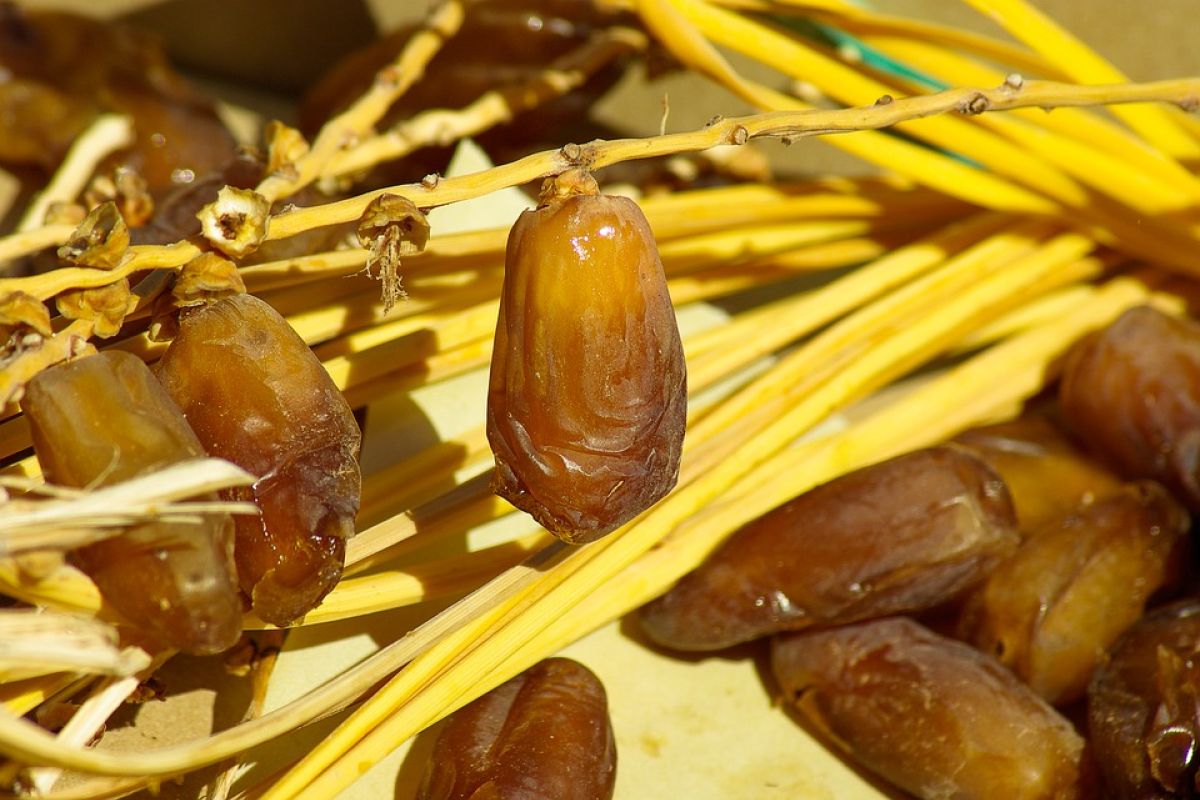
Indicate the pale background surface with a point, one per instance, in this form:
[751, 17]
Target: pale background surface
[697, 729]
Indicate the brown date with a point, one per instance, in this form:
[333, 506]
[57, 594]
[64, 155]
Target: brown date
[58, 71]
[544, 735]
[1047, 475]
[1144, 707]
[103, 419]
[932, 715]
[257, 396]
[903, 535]
[587, 400]
[1133, 391]
[1052, 610]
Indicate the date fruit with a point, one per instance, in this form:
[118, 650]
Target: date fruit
[903, 535]
[544, 735]
[1144, 707]
[257, 396]
[1047, 475]
[932, 715]
[103, 419]
[1052, 610]
[587, 401]
[1133, 391]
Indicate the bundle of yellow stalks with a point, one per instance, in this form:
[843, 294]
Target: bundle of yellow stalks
[999, 235]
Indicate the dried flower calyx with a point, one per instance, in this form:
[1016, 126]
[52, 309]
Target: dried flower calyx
[205, 279]
[285, 146]
[22, 314]
[391, 228]
[104, 306]
[24, 324]
[236, 223]
[100, 241]
[127, 189]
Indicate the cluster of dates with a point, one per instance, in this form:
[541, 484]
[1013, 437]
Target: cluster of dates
[239, 384]
[944, 614]
[1023, 569]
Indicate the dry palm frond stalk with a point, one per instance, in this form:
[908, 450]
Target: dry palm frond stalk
[1004, 238]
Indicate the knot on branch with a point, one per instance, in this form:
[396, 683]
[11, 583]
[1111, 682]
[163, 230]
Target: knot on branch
[885, 100]
[976, 104]
[1013, 82]
[739, 135]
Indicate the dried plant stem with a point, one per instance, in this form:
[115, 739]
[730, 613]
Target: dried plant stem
[107, 134]
[16, 245]
[43, 643]
[1082, 64]
[21, 697]
[1037, 94]
[1084, 126]
[390, 83]
[442, 127]
[91, 718]
[1157, 239]
[711, 355]
[100, 513]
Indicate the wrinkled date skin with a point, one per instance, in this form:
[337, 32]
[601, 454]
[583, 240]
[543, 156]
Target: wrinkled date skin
[1047, 475]
[932, 715]
[544, 735]
[257, 396]
[903, 535]
[1144, 707]
[1052, 610]
[587, 401]
[1133, 392]
[105, 419]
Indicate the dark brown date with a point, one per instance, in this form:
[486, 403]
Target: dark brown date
[902, 535]
[1133, 391]
[104, 419]
[932, 715]
[1144, 708]
[58, 71]
[587, 401]
[544, 735]
[1052, 610]
[1046, 473]
[257, 396]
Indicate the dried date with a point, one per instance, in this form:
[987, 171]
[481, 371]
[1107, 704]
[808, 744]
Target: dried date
[257, 396]
[1132, 390]
[587, 400]
[1046, 473]
[902, 535]
[1144, 707]
[544, 735]
[932, 715]
[103, 419]
[1052, 610]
